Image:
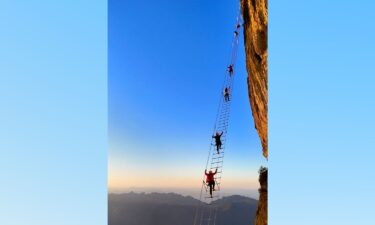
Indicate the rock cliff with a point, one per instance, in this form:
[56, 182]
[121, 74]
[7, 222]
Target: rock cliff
[255, 28]
[261, 217]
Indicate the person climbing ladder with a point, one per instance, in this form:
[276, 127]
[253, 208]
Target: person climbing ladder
[217, 137]
[210, 180]
[230, 69]
[226, 94]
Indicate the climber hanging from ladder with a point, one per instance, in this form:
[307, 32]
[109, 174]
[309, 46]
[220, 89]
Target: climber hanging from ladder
[226, 94]
[230, 69]
[210, 180]
[218, 143]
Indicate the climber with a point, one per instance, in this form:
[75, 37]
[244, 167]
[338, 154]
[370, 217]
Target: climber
[217, 137]
[238, 26]
[230, 69]
[235, 33]
[226, 94]
[210, 180]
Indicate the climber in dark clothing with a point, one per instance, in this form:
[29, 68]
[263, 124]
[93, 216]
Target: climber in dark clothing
[230, 69]
[226, 94]
[218, 141]
[210, 180]
[236, 33]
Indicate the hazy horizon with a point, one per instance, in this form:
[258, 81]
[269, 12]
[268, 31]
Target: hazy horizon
[193, 192]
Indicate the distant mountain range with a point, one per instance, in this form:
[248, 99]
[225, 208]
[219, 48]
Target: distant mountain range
[174, 209]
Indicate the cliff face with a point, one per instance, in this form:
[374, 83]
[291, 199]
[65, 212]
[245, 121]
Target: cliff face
[255, 16]
[262, 210]
[255, 28]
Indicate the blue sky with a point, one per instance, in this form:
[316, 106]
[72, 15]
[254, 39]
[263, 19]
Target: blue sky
[166, 65]
[53, 117]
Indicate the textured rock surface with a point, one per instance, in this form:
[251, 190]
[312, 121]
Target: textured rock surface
[261, 217]
[255, 16]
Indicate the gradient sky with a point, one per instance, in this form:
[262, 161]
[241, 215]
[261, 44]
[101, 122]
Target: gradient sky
[166, 63]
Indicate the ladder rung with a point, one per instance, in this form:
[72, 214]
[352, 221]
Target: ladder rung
[218, 154]
[219, 157]
[216, 165]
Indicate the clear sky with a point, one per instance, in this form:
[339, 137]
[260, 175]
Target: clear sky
[166, 64]
[53, 97]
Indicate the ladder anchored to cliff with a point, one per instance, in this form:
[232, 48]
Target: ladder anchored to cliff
[206, 213]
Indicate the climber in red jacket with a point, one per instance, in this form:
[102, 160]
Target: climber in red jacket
[210, 180]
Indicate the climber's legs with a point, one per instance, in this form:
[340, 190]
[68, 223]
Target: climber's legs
[212, 187]
[218, 147]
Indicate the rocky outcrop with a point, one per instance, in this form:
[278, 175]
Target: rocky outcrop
[262, 210]
[255, 27]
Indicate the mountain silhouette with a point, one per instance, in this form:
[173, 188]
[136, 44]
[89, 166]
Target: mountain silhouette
[174, 209]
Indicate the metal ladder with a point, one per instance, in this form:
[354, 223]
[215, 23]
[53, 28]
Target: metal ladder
[206, 214]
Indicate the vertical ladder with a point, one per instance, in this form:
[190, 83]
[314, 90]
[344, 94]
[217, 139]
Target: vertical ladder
[206, 213]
